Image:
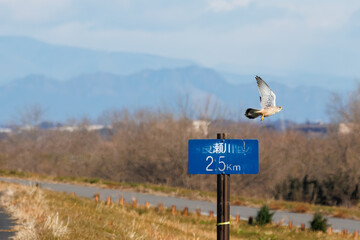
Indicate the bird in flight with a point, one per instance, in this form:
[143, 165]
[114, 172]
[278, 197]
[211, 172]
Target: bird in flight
[267, 102]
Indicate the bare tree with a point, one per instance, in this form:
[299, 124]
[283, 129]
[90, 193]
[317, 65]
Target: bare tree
[342, 109]
[184, 106]
[30, 115]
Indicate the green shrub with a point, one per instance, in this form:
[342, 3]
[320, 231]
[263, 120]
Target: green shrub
[319, 223]
[264, 216]
[92, 180]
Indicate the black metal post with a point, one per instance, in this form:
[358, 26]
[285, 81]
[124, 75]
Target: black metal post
[223, 201]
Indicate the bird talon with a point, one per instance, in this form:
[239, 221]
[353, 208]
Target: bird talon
[262, 118]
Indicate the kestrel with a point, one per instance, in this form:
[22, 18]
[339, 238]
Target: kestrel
[267, 102]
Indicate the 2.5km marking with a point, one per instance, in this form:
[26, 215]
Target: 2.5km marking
[222, 165]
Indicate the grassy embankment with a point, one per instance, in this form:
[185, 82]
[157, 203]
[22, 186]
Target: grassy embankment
[43, 214]
[342, 212]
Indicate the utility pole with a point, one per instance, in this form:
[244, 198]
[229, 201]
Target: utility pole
[223, 201]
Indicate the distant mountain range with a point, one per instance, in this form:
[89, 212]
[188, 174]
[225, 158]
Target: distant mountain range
[22, 56]
[72, 82]
[91, 94]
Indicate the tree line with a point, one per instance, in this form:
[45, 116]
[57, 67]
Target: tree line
[149, 146]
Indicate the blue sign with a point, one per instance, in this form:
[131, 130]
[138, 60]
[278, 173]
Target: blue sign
[228, 156]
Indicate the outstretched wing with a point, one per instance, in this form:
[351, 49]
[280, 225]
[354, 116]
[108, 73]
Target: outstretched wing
[267, 96]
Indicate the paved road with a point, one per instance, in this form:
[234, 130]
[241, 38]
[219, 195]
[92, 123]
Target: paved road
[338, 224]
[6, 225]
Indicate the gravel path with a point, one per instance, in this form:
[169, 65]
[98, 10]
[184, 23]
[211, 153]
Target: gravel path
[6, 225]
[297, 219]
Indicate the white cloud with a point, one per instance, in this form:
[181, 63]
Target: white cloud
[226, 5]
[33, 11]
[272, 35]
[255, 46]
[322, 14]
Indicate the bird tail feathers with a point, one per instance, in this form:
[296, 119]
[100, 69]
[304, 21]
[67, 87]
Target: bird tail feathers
[252, 113]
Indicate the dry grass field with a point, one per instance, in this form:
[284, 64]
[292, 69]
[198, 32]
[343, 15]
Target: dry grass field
[43, 214]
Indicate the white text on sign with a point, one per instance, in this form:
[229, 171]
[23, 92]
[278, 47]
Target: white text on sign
[222, 165]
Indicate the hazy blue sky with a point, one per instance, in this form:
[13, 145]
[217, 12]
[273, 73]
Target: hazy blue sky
[278, 37]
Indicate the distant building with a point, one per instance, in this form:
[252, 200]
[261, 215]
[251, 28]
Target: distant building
[27, 128]
[5, 130]
[346, 128]
[95, 127]
[201, 126]
[67, 128]
[89, 128]
[314, 129]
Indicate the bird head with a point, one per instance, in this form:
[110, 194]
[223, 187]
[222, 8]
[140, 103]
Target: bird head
[280, 108]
